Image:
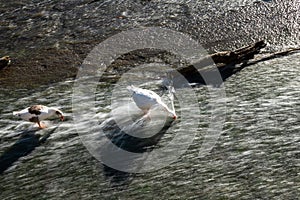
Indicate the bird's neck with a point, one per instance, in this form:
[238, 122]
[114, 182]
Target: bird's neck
[52, 110]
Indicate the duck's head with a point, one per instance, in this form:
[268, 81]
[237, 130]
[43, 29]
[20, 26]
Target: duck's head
[60, 114]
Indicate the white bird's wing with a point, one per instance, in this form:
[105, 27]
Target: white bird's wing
[143, 92]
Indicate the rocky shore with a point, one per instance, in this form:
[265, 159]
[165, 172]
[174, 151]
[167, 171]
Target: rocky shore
[47, 41]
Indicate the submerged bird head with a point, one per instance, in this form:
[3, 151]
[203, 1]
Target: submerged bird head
[172, 112]
[174, 115]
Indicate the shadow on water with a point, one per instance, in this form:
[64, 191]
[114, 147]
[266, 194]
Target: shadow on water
[121, 139]
[28, 141]
[117, 178]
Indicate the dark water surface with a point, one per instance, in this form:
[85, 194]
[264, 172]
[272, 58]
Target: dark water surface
[257, 155]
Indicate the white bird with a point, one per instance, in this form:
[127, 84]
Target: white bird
[146, 99]
[36, 113]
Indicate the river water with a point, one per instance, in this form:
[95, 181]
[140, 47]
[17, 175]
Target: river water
[256, 155]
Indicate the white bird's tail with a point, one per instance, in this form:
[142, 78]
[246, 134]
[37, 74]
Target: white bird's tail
[16, 113]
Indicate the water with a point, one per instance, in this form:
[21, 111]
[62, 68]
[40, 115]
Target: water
[256, 156]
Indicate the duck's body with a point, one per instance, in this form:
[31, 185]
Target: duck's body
[37, 113]
[146, 99]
